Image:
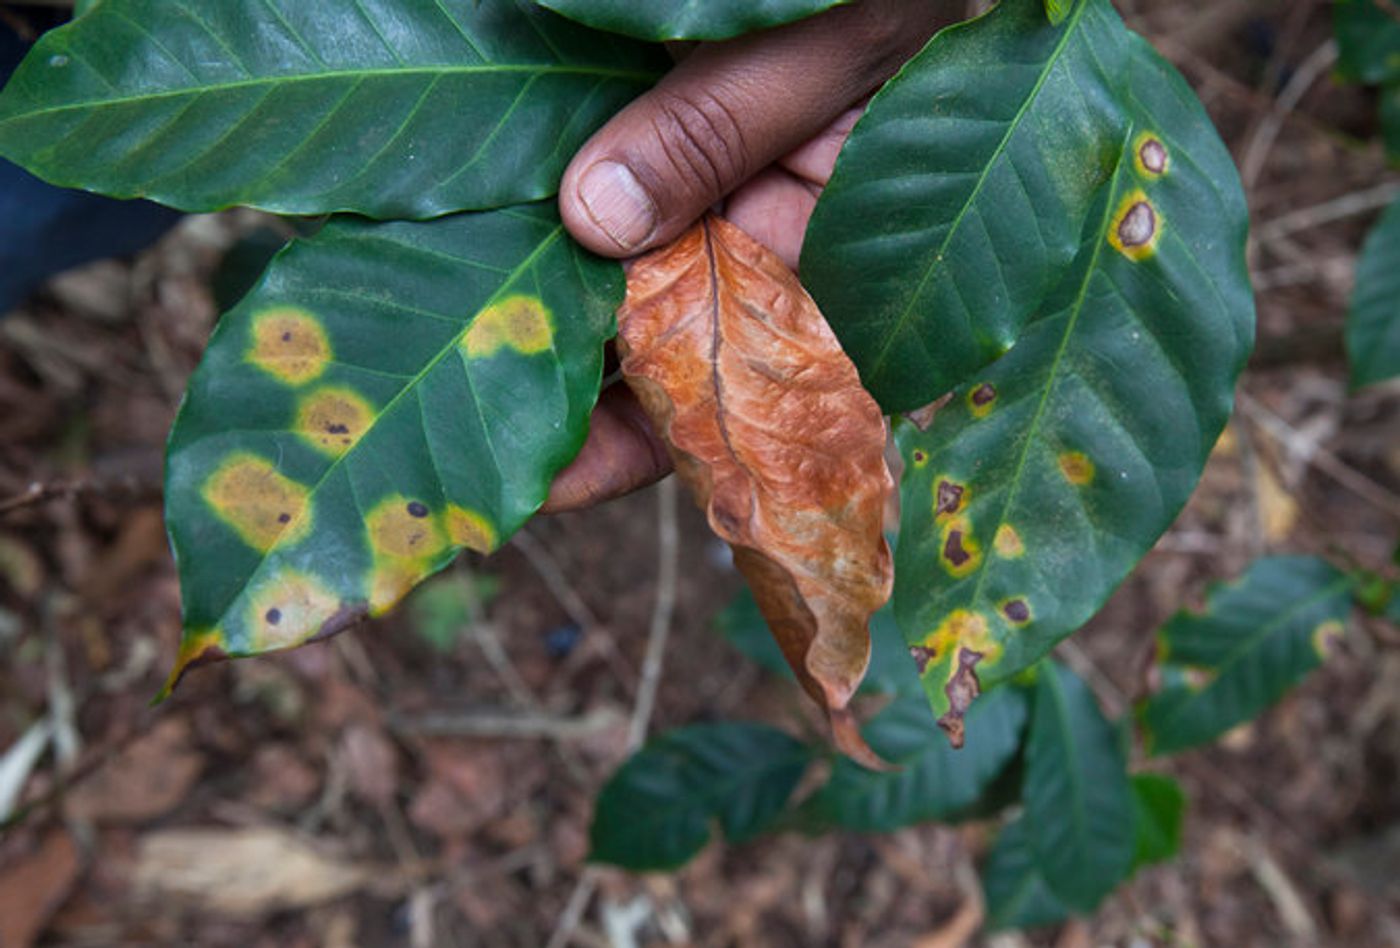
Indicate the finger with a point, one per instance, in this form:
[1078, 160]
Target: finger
[622, 454]
[774, 209]
[813, 160]
[729, 110]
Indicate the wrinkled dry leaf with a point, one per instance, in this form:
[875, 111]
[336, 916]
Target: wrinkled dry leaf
[241, 872]
[772, 431]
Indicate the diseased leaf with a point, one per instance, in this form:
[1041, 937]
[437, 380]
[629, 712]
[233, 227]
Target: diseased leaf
[934, 781]
[1079, 806]
[1159, 805]
[1368, 39]
[1044, 481]
[771, 430]
[387, 395]
[1016, 892]
[656, 811]
[1373, 322]
[667, 20]
[389, 108]
[959, 200]
[1257, 637]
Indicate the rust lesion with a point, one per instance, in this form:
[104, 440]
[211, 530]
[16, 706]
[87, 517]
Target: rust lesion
[962, 689]
[949, 497]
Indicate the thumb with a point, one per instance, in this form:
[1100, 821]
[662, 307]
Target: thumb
[725, 113]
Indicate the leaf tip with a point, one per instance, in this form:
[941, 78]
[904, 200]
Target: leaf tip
[197, 648]
[962, 689]
[845, 734]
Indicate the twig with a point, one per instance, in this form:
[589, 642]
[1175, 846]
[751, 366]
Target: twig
[505, 725]
[1339, 208]
[548, 569]
[668, 544]
[38, 492]
[1261, 144]
[1321, 458]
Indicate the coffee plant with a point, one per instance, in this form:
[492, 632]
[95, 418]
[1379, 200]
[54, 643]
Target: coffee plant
[1034, 226]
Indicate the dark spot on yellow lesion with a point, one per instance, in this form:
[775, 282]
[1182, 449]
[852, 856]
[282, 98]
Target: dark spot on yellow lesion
[273, 616]
[417, 509]
[1151, 156]
[962, 689]
[333, 419]
[287, 609]
[948, 497]
[1017, 611]
[265, 507]
[1136, 227]
[954, 551]
[982, 399]
[920, 458]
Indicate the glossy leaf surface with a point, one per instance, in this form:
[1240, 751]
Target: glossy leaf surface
[1257, 638]
[657, 811]
[659, 20]
[934, 782]
[387, 395]
[1045, 479]
[1368, 39]
[1159, 806]
[1016, 892]
[1079, 805]
[1373, 322]
[960, 197]
[389, 108]
[774, 435]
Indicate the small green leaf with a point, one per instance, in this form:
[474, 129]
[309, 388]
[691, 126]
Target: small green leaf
[1257, 638]
[934, 781]
[1057, 10]
[666, 20]
[1373, 322]
[1079, 805]
[387, 395]
[980, 162]
[890, 670]
[1159, 806]
[442, 610]
[1368, 40]
[389, 108]
[656, 811]
[1044, 481]
[1016, 892]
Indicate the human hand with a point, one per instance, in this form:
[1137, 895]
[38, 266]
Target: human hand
[755, 122]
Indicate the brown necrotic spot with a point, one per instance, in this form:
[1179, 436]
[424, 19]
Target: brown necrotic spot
[333, 419]
[948, 497]
[1151, 155]
[273, 616]
[1017, 611]
[920, 458]
[921, 656]
[962, 689]
[982, 399]
[417, 509]
[1136, 227]
[953, 550]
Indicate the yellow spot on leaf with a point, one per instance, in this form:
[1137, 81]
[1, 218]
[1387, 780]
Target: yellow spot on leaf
[1136, 227]
[1008, 542]
[959, 553]
[982, 399]
[263, 506]
[1077, 468]
[470, 529]
[197, 648]
[1150, 156]
[290, 344]
[393, 579]
[333, 419]
[406, 529]
[1326, 636]
[962, 629]
[288, 609]
[520, 323]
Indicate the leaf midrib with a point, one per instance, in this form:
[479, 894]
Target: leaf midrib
[409, 388]
[436, 72]
[1070, 30]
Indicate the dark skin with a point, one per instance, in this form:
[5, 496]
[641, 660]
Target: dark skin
[755, 123]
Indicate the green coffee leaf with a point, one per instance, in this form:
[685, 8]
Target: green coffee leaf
[1257, 638]
[934, 781]
[1159, 805]
[1079, 805]
[1042, 483]
[1057, 10]
[978, 164]
[657, 810]
[1016, 892]
[889, 673]
[390, 108]
[1368, 40]
[660, 20]
[387, 395]
[1373, 322]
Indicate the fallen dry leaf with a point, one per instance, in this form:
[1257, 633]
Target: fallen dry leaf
[241, 872]
[32, 889]
[782, 446]
[148, 779]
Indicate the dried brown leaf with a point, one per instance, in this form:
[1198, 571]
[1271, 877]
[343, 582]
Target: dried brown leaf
[784, 449]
